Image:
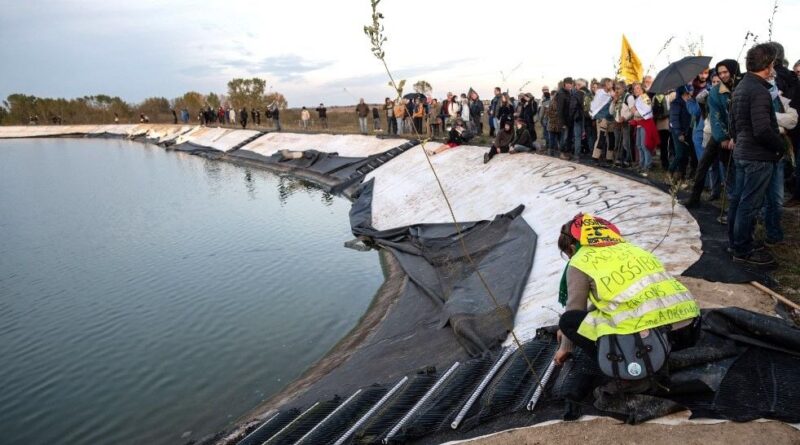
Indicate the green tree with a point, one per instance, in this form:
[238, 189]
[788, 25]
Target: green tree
[423, 87]
[213, 100]
[157, 109]
[247, 92]
[276, 98]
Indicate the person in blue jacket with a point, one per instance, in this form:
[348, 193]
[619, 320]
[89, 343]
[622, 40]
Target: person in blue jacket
[680, 127]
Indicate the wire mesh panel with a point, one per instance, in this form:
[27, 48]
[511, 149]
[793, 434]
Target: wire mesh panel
[344, 418]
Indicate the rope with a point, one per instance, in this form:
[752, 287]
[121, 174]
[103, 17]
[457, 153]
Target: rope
[509, 323]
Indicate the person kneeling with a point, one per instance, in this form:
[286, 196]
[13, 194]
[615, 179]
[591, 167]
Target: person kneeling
[502, 142]
[621, 302]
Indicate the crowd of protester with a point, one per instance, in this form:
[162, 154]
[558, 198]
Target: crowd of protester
[227, 115]
[734, 133]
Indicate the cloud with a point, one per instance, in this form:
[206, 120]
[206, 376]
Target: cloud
[402, 73]
[287, 67]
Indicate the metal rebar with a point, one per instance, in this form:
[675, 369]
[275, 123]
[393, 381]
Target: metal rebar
[255, 431]
[349, 399]
[540, 387]
[507, 353]
[371, 411]
[421, 402]
[291, 423]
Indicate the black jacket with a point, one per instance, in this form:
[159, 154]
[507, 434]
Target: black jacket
[752, 122]
[523, 137]
[788, 84]
[564, 98]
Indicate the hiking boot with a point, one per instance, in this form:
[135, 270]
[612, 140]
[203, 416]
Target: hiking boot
[564, 156]
[486, 158]
[756, 257]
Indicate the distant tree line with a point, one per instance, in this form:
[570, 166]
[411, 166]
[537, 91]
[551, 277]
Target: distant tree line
[19, 109]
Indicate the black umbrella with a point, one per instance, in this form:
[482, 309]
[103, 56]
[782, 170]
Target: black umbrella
[412, 96]
[679, 73]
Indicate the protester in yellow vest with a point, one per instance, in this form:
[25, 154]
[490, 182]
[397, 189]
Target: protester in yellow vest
[611, 286]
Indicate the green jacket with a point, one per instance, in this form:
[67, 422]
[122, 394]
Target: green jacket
[718, 103]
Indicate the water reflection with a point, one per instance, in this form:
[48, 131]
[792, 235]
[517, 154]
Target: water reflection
[249, 184]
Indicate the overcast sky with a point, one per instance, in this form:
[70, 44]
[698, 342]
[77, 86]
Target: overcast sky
[315, 50]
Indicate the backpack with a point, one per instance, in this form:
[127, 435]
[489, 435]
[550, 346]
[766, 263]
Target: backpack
[659, 109]
[633, 356]
[587, 103]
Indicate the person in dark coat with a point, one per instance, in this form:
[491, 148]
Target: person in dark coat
[523, 141]
[680, 127]
[719, 147]
[502, 142]
[789, 84]
[758, 147]
[243, 117]
[566, 107]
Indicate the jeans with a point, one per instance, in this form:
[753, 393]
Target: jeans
[277, 123]
[568, 139]
[645, 159]
[577, 135]
[553, 142]
[545, 133]
[796, 143]
[664, 144]
[773, 209]
[752, 182]
[591, 134]
[681, 153]
[305, 123]
[400, 129]
[697, 139]
[522, 148]
[391, 125]
[362, 124]
[622, 134]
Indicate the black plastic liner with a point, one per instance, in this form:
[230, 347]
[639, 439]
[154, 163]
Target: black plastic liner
[339, 172]
[432, 255]
[742, 367]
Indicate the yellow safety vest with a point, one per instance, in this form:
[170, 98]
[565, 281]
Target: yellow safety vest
[634, 291]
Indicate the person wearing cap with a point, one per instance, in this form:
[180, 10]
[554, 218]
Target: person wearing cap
[612, 287]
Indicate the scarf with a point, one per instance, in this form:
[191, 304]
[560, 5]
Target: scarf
[600, 100]
[590, 231]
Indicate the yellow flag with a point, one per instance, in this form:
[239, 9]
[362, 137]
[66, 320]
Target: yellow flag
[630, 67]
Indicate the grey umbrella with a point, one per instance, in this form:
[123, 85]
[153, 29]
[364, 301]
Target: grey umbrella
[679, 73]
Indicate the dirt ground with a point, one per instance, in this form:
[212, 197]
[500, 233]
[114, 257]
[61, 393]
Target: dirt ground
[608, 431]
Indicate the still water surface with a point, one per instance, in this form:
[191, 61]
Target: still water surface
[154, 297]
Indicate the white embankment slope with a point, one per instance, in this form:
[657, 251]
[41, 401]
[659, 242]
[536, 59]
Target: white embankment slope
[406, 193]
[553, 191]
[347, 145]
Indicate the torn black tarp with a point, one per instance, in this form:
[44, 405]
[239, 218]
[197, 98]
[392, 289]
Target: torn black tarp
[333, 171]
[432, 256]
